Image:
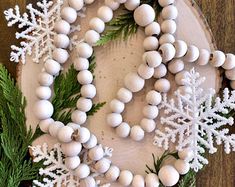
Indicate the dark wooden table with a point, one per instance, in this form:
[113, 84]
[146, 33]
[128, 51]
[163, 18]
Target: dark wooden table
[221, 18]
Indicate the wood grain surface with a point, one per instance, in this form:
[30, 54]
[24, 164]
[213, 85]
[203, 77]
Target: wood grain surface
[221, 18]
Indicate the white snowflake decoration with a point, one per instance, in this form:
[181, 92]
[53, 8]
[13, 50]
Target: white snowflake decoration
[55, 171]
[195, 121]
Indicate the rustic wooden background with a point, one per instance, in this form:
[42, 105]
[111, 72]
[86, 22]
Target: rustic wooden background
[220, 15]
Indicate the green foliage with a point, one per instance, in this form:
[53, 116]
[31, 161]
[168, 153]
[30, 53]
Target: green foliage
[16, 165]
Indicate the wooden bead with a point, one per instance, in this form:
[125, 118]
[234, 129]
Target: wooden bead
[96, 153]
[82, 135]
[65, 134]
[124, 95]
[123, 130]
[84, 50]
[105, 13]
[43, 109]
[76, 4]
[84, 104]
[43, 92]
[148, 125]
[151, 180]
[167, 51]
[152, 29]
[62, 27]
[150, 112]
[232, 84]
[192, 54]
[71, 149]
[217, 58]
[102, 165]
[69, 14]
[134, 82]
[114, 119]
[144, 15]
[152, 58]
[72, 162]
[165, 3]
[180, 48]
[82, 171]
[137, 133]
[92, 142]
[153, 98]
[150, 43]
[230, 74]
[169, 12]
[79, 117]
[54, 128]
[138, 181]
[168, 26]
[112, 4]
[160, 71]
[92, 37]
[229, 61]
[45, 124]
[88, 2]
[132, 4]
[61, 41]
[52, 67]
[182, 166]
[125, 178]
[145, 71]
[60, 55]
[74, 126]
[121, 1]
[85, 77]
[162, 85]
[176, 66]
[88, 182]
[204, 57]
[97, 24]
[45, 79]
[166, 38]
[168, 175]
[88, 91]
[112, 174]
[179, 77]
[116, 106]
[184, 90]
[81, 64]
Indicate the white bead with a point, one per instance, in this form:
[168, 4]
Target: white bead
[148, 125]
[168, 26]
[92, 37]
[182, 166]
[168, 175]
[105, 13]
[185, 154]
[153, 98]
[150, 112]
[123, 130]
[45, 124]
[217, 58]
[43, 92]
[54, 128]
[81, 64]
[43, 109]
[137, 133]
[169, 12]
[138, 181]
[160, 71]
[180, 48]
[97, 24]
[134, 82]
[84, 104]
[162, 85]
[65, 134]
[192, 54]
[85, 77]
[179, 77]
[116, 106]
[76, 4]
[152, 58]
[82, 135]
[166, 38]
[112, 174]
[69, 14]
[152, 29]
[71, 149]
[84, 50]
[52, 67]
[72, 162]
[151, 180]
[114, 119]
[204, 57]
[82, 171]
[62, 27]
[124, 95]
[229, 61]
[92, 142]
[88, 91]
[89, 1]
[164, 3]
[230, 74]
[168, 52]
[45, 79]
[145, 71]
[150, 43]
[60, 55]
[79, 117]
[102, 165]
[121, 1]
[88, 182]
[175, 66]
[96, 153]
[232, 84]
[144, 15]
[184, 90]
[61, 41]
[112, 4]
[74, 126]
[125, 178]
[132, 4]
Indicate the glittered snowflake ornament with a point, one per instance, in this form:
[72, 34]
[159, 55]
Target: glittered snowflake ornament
[197, 120]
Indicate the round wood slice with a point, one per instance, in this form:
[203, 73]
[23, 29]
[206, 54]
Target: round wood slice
[114, 61]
